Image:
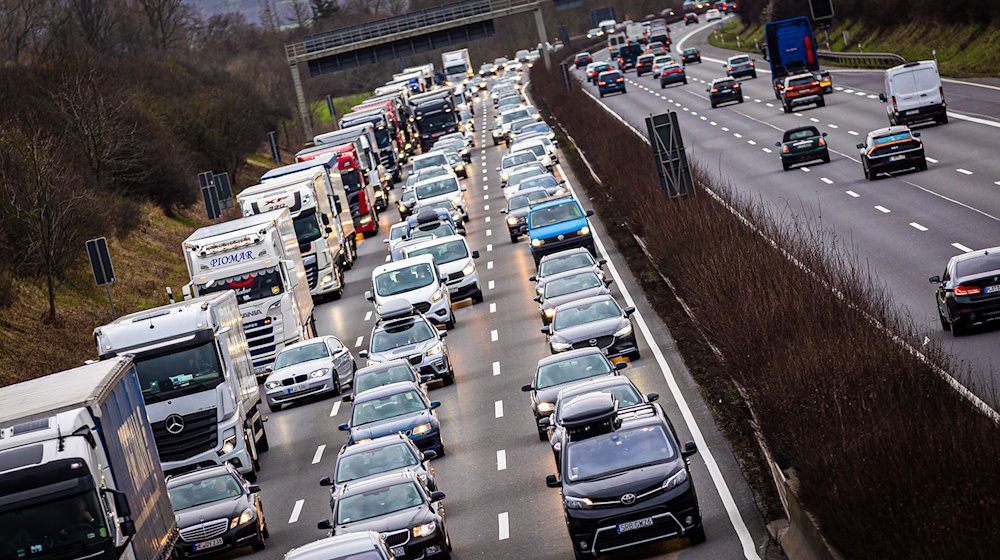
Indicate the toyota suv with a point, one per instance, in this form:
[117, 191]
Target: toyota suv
[403, 334]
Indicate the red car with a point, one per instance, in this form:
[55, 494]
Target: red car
[583, 59]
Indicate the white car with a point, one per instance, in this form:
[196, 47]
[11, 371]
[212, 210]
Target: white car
[536, 149]
[321, 365]
[659, 63]
[456, 263]
[520, 173]
[417, 281]
[511, 161]
[713, 15]
[439, 189]
[434, 158]
[397, 233]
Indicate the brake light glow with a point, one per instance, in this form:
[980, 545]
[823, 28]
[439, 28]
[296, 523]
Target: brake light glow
[822, 141]
[967, 290]
[736, 86]
[619, 80]
[715, 90]
[602, 83]
[810, 54]
[895, 109]
[784, 148]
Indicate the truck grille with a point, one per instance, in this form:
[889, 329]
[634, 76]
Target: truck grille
[398, 538]
[599, 342]
[205, 530]
[312, 273]
[455, 276]
[197, 436]
[260, 338]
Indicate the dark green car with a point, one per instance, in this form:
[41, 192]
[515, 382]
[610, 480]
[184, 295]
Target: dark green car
[803, 144]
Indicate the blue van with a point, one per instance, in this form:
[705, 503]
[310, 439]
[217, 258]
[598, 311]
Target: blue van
[556, 224]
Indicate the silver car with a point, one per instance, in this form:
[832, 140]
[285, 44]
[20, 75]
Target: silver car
[316, 366]
[405, 333]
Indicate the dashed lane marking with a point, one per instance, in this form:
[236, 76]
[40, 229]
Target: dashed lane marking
[964, 171]
[368, 316]
[961, 247]
[825, 180]
[493, 307]
[504, 522]
[357, 343]
[501, 460]
[931, 160]
[498, 408]
[296, 511]
[852, 133]
[489, 286]
[496, 368]
[883, 209]
[318, 456]
[766, 150]
[489, 265]
[852, 193]
[917, 226]
[335, 410]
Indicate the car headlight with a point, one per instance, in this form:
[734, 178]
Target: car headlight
[503, 177]
[421, 429]
[425, 530]
[511, 220]
[546, 407]
[578, 503]
[437, 295]
[674, 481]
[561, 346]
[246, 517]
[458, 167]
[469, 269]
[272, 384]
[319, 372]
[228, 445]
[585, 230]
[550, 312]
[434, 350]
[537, 242]
[624, 331]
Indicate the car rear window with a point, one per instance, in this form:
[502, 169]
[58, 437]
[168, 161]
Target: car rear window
[739, 60]
[897, 146]
[978, 265]
[724, 84]
[800, 134]
[803, 81]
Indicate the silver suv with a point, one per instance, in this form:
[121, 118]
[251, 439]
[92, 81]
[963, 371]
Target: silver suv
[403, 332]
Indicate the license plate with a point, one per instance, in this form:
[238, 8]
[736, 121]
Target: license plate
[900, 157]
[208, 544]
[633, 525]
[398, 551]
[803, 144]
[913, 112]
[992, 289]
[290, 390]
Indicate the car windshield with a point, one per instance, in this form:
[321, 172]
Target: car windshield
[915, 81]
[397, 232]
[528, 171]
[389, 406]
[562, 264]
[801, 134]
[519, 124]
[690, 51]
[439, 187]
[519, 201]
[248, 287]
[430, 160]
[617, 451]
[299, 354]
[661, 60]
[610, 76]
[374, 461]
[573, 369]
[571, 284]
[205, 491]
[546, 181]
[381, 501]
[392, 374]
[557, 213]
[181, 372]
[514, 115]
[436, 229]
[516, 159]
[403, 280]
[573, 315]
[978, 265]
[443, 253]
[624, 393]
[509, 102]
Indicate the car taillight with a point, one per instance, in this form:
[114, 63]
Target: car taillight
[895, 109]
[736, 86]
[620, 60]
[967, 290]
[751, 64]
[715, 90]
[822, 141]
[784, 148]
[620, 80]
[602, 83]
[730, 68]
[814, 84]
[941, 93]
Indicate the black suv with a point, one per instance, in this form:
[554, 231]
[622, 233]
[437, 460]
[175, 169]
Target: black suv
[891, 149]
[626, 478]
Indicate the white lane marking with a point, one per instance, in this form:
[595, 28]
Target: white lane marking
[357, 343]
[917, 226]
[724, 129]
[490, 285]
[501, 460]
[804, 169]
[486, 207]
[738, 135]
[766, 150]
[685, 108]
[964, 171]
[694, 113]
[838, 88]
[860, 93]
[498, 408]
[489, 232]
[883, 209]
[813, 119]
[489, 247]
[871, 96]
[489, 265]
[296, 511]
[496, 368]
[770, 104]
[318, 456]
[961, 247]
[713, 123]
[751, 142]
[997, 183]
[486, 197]
[484, 171]
[930, 160]
[486, 187]
[504, 526]
[704, 118]
[368, 316]
[756, 100]
[493, 307]
[831, 125]
[799, 115]
[825, 180]
[852, 193]
[852, 133]
[335, 410]
[848, 91]
[487, 219]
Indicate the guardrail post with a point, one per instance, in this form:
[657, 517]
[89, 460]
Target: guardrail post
[307, 128]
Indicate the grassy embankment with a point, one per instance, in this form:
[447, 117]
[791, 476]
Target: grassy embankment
[342, 105]
[962, 50]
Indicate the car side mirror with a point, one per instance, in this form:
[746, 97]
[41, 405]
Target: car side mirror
[429, 455]
[498, 169]
[475, 254]
[708, 89]
[503, 210]
[343, 427]
[253, 489]
[538, 299]
[935, 279]
[369, 296]
[620, 366]
[608, 281]
[652, 397]
[435, 404]
[437, 496]
[329, 230]
[325, 481]
[602, 262]
[463, 189]
[629, 311]
[916, 135]
[545, 422]
[324, 525]
[689, 449]
[347, 398]
[533, 278]
[590, 213]
[882, 98]
[527, 388]
[859, 146]
[546, 330]
[363, 354]
[824, 135]
[386, 241]
[776, 145]
[551, 481]
[460, 231]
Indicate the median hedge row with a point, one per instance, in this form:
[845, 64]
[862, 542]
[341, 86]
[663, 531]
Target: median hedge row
[891, 461]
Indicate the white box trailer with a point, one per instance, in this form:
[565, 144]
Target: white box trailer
[457, 66]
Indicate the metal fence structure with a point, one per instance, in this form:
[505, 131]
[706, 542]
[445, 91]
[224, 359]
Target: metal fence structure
[862, 60]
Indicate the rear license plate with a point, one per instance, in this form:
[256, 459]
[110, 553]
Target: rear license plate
[913, 112]
[900, 157]
[398, 551]
[208, 544]
[992, 289]
[633, 525]
[807, 144]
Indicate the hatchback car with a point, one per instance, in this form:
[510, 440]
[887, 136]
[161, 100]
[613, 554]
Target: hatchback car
[969, 290]
[801, 89]
[398, 407]
[891, 149]
[595, 70]
[567, 287]
[456, 264]
[724, 90]
[387, 454]
[393, 371]
[713, 15]
[690, 18]
[517, 210]
[581, 60]
[556, 372]
[644, 64]
[659, 63]
[317, 366]
[672, 74]
[216, 509]
[690, 56]
[741, 66]
[404, 334]
[801, 145]
[610, 82]
[550, 266]
[594, 322]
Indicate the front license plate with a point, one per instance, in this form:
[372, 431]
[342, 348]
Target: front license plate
[992, 289]
[398, 551]
[208, 544]
[633, 525]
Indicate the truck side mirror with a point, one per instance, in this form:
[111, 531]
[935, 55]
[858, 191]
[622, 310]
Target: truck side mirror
[689, 449]
[551, 481]
[329, 229]
[121, 504]
[369, 296]
[253, 489]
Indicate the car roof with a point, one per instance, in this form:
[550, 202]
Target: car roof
[438, 241]
[376, 482]
[588, 300]
[723, 79]
[738, 56]
[385, 390]
[198, 474]
[301, 343]
[435, 179]
[609, 73]
[404, 263]
[556, 202]
[595, 384]
[346, 544]
[565, 254]
[568, 355]
[377, 443]
[975, 254]
[889, 131]
[526, 192]
[382, 367]
[809, 128]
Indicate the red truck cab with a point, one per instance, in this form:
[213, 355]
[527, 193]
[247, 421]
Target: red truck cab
[359, 194]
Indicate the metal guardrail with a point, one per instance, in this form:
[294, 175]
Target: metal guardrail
[386, 28]
[863, 60]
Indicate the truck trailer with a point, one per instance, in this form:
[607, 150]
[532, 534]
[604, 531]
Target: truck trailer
[790, 49]
[385, 142]
[364, 139]
[457, 66]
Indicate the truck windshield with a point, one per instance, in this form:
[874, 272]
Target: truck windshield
[179, 373]
[62, 527]
[307, 229]
[249, 287]
[351, 179]
[437, 121]
[456, 69]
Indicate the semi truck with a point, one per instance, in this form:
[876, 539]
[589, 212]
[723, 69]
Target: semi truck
[364, 199]
[399, 124]
[363, 137]
[194, 372]
[791, 49]
[80, 476]
[413, 79]
[434, 114]
[427, 70]
[385, 143]
[457, 66]
[306, 194]
[258, 258]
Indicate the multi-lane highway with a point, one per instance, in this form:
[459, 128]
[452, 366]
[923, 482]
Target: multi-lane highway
[493, 475]
[904, 227]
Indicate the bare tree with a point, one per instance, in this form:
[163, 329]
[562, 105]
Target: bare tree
[21, 21]
[168, 21]
[300, 13]
[94, 21]
[269, 16]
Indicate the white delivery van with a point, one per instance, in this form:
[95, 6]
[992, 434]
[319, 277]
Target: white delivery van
[913, 93]
[418, 281]
[456, 264]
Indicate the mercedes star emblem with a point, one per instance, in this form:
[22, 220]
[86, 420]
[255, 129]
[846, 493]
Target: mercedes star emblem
[174, 423]
[628, 499]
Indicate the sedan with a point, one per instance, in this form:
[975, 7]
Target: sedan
[393, 371]
[690, 18]
[672, 74]
[521, 173]
[969, 290]
[391, 453]
[594, 322]
[690, 56]
[803, 144]
[582, 59]
[316, 366]
[724, 90]
[556, 372]
[644, 64]
[567, 287]
[579, 259]
[398, 407]
[891, 149]
[659, 63]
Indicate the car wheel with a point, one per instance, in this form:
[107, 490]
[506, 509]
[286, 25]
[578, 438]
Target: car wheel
[624, 90]
[698, 535]
[601, 93]
[754, 75]
[477, 297]
[867, 173]
[821, 103]
[634, 355]
[275, 407]
[449, 378]
[741, 99]
[943, 119]
[922, 166]
[663, 85]
[685, 81]
[785, 166]
[578, 556]
[336, 382]
[786, 108]
[451, 322]
[945, 325]
[713, 105]
[826, 158]
[263, 445]
[957, 329]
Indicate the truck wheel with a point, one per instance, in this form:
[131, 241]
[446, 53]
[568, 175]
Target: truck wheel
[477, 297]
[451, 322]
[263, 445]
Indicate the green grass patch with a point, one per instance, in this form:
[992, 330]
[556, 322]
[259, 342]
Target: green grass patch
[342, 105]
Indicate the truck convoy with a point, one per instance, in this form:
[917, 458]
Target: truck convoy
[413, 79]
[791, 49]
[364, 198]
[363, 137]
[659, 32]
[385, 142]
[434, 114]
[457, 66]
[258, 258]
[306, 194]
[195, 376]
[427, 70]
[80, 476]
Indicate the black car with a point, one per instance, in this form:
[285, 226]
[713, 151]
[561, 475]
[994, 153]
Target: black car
[597, 322]
[216, 509]
[517, 210]
[567, 287]
[890, 149]
[644, 64]
[563, 261]
[724, 90]
[394, 408]
[690, 56]
[969, 290]
[610, 82]
[802, 144]
[651, 495]
[583, 59]
[398, 506]
[556, 372]
[690, 18]
[393, 371]
[407, 200]
[672, 74]
[387, 454]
